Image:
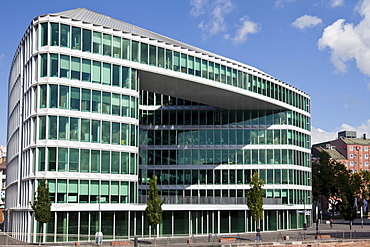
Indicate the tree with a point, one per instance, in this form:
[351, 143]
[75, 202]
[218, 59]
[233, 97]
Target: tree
[42, 205]
[339, 185]
[255, 198]
[329, 176]
[350, 191]
[153, 209]
[365, 186]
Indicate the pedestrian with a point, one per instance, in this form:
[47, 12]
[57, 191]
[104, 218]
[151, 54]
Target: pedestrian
[331, 223]
[258, 234]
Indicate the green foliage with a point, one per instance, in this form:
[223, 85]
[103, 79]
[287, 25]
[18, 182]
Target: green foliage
[255, 198]
[350, 191]
[335, 182]
[42, 205]
[347, 207]
[365, 185]
[153, 209]
[328, 178]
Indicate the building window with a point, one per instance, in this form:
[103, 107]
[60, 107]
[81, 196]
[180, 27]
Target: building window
[366, 163]
[366, 156]
[352, 163]
[351, 156]
[366, 149]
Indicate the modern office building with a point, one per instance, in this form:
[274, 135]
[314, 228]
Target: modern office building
[96, 106]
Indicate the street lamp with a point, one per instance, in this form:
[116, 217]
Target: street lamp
[99, 234]
[304, 217]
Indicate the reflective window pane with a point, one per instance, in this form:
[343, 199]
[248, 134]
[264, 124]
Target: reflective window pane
[135, 51]
[116, 104]
[63, 97]
[54, 32]
[75, 68]
[97, 43]
[65, 33]
[126, 81]
[63, 128]
[73, 160]
[86, 40]
[75, 99]
[107, 45]
[144, 53]
[44, 34]
[86, 70]
[105, 133]
[74, 129]
[152, 55]
[96, 101]
[64, 66]
[85, 100]
[126, 49]
[96, 73]
[76, 38]
[106, 74]
[95, 131]
[85, 130]
[53, 96]
[43, 96]
[160, 57]
[62, 159]
[106, 106]
[54, 65]
[52, 127]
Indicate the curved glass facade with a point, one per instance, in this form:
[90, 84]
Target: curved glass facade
[81, 116]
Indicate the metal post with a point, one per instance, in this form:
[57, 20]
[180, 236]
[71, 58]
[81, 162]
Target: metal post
[135, 242]
[99, 214]
[304, 209]
[99, 234]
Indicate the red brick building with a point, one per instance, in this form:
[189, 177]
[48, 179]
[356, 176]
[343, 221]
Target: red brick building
[353, 152]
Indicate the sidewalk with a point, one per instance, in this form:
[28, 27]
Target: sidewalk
[339, 232]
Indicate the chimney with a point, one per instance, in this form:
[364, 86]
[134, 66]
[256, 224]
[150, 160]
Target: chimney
[364, 136]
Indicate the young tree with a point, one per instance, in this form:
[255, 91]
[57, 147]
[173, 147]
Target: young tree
[42, 205]
[255, 198]
[153, 209]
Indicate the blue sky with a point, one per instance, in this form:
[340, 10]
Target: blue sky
[319, 46]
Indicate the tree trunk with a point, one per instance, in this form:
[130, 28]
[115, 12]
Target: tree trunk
[40, 239]
[155, 234]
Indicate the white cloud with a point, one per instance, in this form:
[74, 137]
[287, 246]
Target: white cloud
[336, 3]
[247, 27]
[364, 128]
[319, 135]
[348, 41]
[198, 7]
[280, 3]
[306, 21]
[214, 12]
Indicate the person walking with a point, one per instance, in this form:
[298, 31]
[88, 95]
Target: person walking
[331, 223]
[258, 234]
